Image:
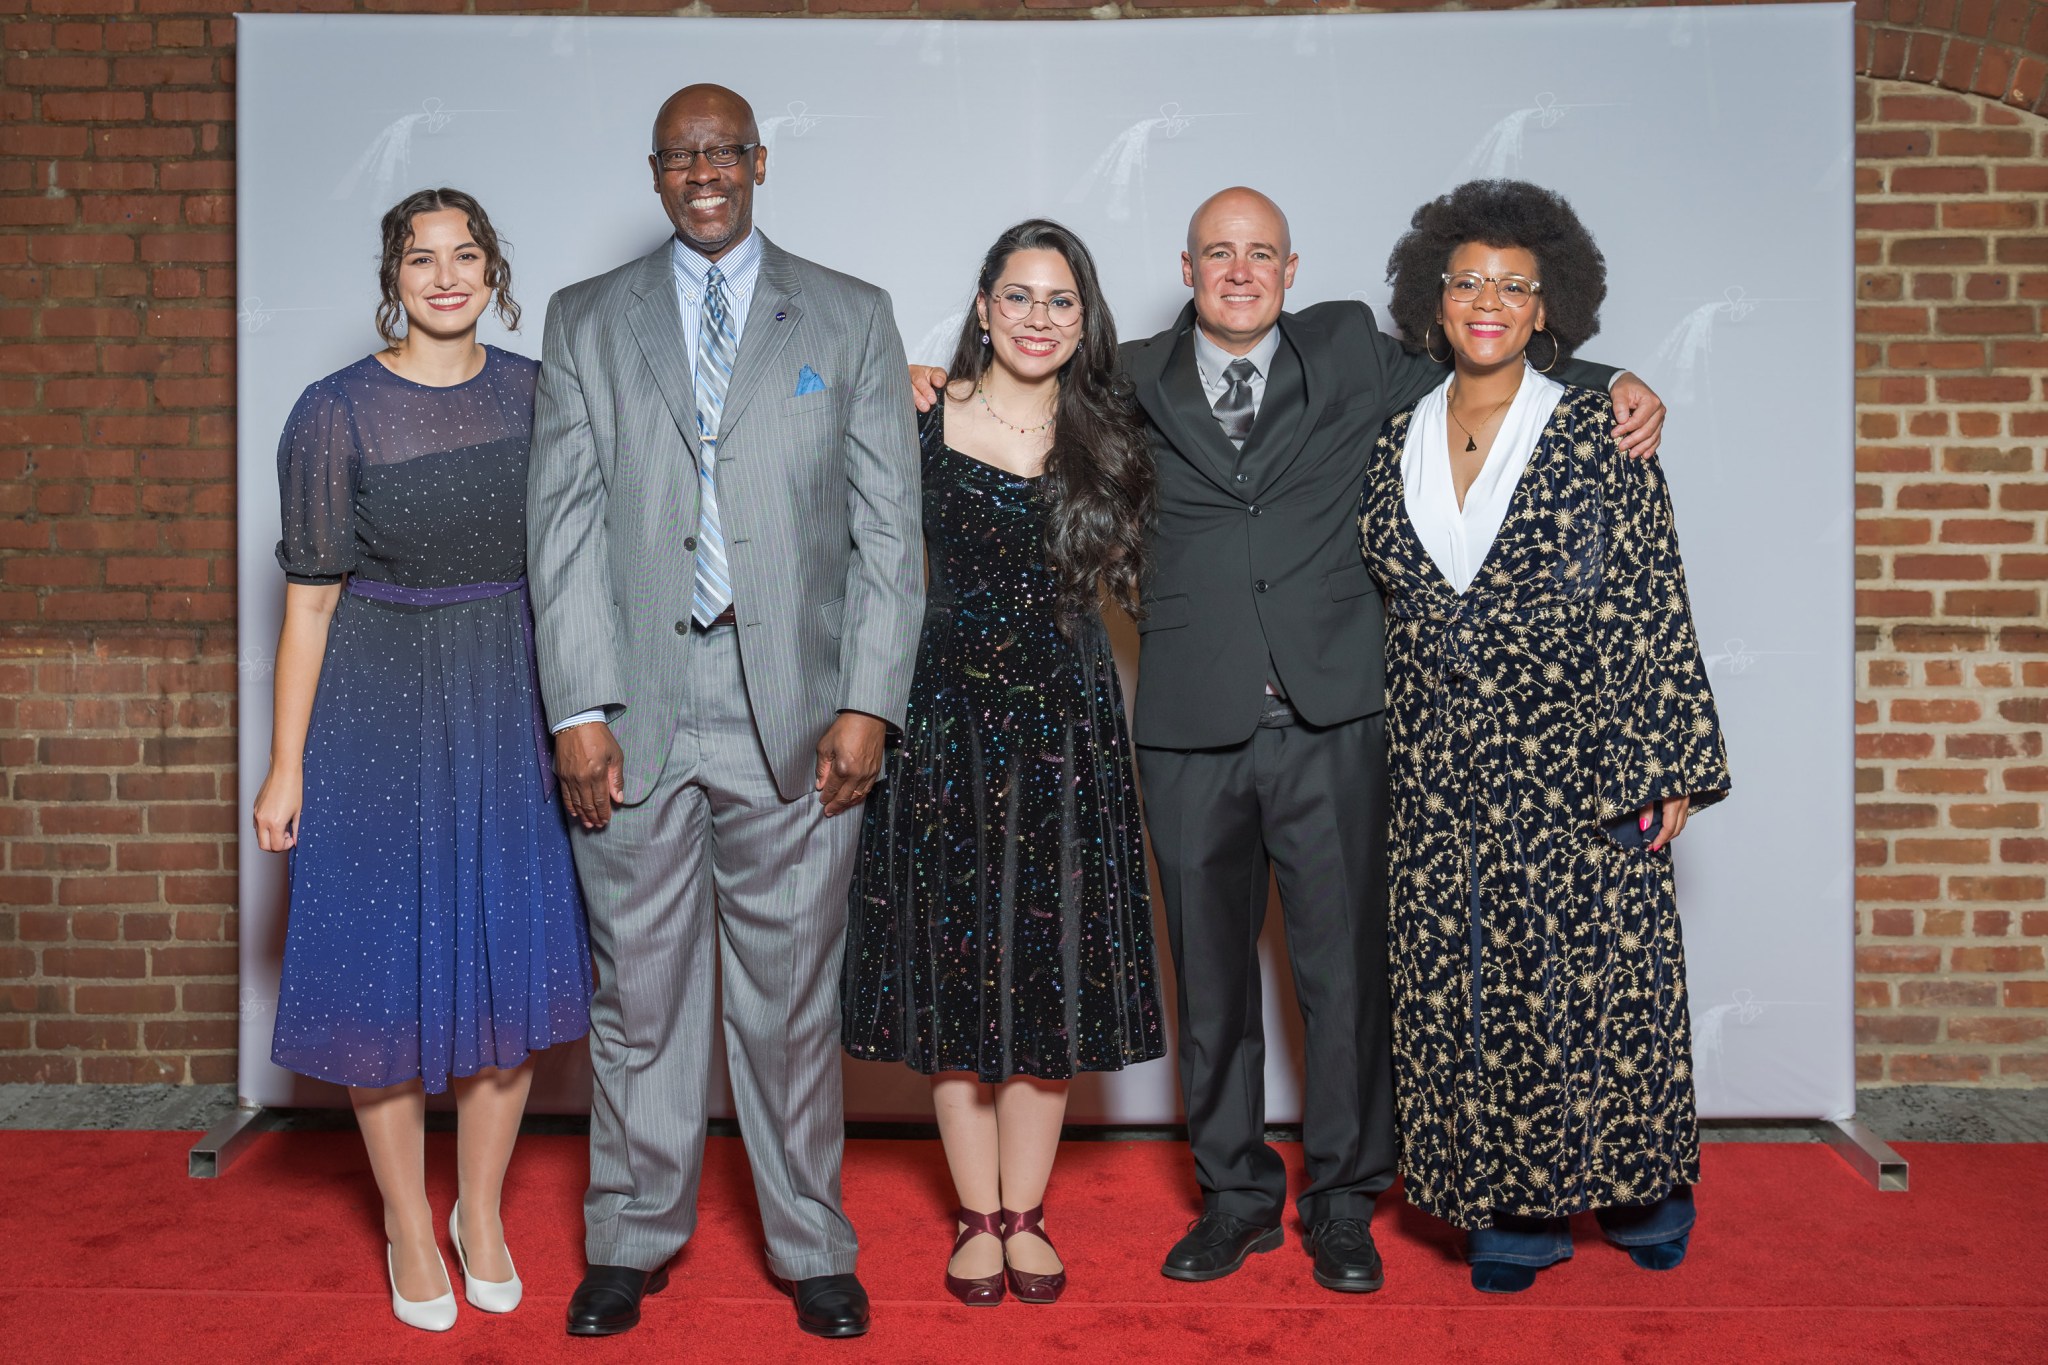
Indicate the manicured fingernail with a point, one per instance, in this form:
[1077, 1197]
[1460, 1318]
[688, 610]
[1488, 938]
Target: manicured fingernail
[1643, 823]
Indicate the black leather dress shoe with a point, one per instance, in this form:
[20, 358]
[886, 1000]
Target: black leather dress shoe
[1216, 1244]
[1346, 1259]
[829, 1305]
[608, 1301]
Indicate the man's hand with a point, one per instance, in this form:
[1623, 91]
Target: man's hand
[1641, 411]
[925, 383]
[592, 770]
[849, 757]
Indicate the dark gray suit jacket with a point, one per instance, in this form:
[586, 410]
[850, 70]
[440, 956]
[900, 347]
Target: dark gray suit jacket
[1255, 559]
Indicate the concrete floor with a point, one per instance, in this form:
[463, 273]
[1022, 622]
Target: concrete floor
[1916, 1113]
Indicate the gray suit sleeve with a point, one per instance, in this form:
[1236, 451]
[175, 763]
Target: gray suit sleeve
[884, 609]
[568, 558]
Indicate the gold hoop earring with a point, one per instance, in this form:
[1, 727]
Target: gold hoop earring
[1555, 350]
[1430, 351]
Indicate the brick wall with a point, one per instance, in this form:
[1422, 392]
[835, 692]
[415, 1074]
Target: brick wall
[117, 650]
[1952, 424]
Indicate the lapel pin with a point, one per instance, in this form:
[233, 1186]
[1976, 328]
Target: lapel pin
[781, 316]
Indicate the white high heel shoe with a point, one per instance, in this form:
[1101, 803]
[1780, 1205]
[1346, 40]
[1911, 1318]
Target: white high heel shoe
[493, 1296]
[429, 1315]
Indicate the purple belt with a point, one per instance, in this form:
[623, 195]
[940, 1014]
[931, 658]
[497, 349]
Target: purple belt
[543, 747]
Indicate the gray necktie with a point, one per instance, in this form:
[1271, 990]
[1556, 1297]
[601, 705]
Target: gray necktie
[716, 348]
[1234, 409]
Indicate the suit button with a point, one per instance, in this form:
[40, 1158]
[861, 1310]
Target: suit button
[1256, 510]
[1242, 478]
[1259, 586]
[689, 542]
[682, 627]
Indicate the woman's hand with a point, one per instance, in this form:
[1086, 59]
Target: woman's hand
[1670, 815]
[277, 809]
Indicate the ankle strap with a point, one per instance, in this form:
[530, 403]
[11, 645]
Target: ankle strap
[1031, 1220]
[973, 1224]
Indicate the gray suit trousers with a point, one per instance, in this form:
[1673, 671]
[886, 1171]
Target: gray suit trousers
[716, 862]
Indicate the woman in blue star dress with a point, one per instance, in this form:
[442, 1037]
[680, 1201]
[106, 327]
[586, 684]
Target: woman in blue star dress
[436, 934]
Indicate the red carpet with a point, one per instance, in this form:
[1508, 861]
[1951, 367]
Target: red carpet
[108, 1253]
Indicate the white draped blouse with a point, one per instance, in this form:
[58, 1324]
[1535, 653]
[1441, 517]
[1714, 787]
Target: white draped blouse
[1459, 539]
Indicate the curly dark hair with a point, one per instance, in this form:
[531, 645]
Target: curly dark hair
[397, 234]
[1501, 213]
[1098, 483]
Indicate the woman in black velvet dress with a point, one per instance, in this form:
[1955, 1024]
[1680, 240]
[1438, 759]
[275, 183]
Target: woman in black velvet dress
[1000, 932]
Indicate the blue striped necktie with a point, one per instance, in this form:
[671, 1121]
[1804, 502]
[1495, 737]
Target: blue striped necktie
[716, 349]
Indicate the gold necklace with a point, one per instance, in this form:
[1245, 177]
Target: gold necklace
[1449, 400]
[981, 391]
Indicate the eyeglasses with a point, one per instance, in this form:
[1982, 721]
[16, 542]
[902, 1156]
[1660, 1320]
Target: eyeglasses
[1061, 310]
[682, 158]
[1513, 290]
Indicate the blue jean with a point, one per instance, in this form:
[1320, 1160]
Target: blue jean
[1540, 1242]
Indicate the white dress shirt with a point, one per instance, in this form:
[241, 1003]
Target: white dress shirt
[1459, 539]
[741, 267]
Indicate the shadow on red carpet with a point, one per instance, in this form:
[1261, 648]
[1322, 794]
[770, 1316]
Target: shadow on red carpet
[109, 1253]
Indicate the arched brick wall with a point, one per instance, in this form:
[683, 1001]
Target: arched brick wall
[118, 661]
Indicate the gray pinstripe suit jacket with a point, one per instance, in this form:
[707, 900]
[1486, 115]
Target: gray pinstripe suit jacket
[818, 498]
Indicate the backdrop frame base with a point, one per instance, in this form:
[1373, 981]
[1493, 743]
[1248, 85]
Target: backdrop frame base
[1867, 1154]
[211, 1156]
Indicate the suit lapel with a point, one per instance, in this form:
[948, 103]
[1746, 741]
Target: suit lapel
[1174, 399]
[658, 327]
[771, 318]
[1295, 395]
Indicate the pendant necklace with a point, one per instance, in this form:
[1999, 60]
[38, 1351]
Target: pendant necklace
[1450, 407]
[981, 392]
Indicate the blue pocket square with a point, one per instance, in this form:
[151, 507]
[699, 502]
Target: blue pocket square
[807, 381]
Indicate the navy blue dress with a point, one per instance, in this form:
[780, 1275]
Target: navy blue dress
[436, 928]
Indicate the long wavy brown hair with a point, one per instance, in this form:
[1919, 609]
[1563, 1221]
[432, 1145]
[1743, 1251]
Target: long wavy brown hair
[397, 233]
[1098, 483]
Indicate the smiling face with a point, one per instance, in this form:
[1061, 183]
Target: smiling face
[711, 206]
[1039, 286]
[441, 275]
[1488, 332]
[1240, 263]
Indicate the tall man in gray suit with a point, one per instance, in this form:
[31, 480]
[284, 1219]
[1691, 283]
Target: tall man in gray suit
[726, 568]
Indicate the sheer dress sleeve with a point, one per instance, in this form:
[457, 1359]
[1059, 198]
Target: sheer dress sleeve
[318, 461]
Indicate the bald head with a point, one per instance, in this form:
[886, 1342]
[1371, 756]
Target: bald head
[1240, 263]
[1239, 205]
[711, 206]
[694, 101]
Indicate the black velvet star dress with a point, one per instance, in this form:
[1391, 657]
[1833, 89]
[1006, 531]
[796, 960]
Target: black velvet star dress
[1000, 921]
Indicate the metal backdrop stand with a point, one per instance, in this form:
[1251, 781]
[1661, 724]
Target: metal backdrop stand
[211, 1156]
[1867, 1153]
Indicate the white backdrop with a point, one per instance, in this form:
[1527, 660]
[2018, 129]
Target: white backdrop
[1710, 150]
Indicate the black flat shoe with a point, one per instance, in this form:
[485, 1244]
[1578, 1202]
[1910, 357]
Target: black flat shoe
[1346, 1259]
[608, 1301]
[829, 1305]
[1216, 1244]
[1502, 1277]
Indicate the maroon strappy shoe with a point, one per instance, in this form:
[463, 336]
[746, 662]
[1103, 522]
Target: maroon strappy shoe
[1030, 1288]
[985, 1291]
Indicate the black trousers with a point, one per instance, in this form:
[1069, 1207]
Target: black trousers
[1310, 803]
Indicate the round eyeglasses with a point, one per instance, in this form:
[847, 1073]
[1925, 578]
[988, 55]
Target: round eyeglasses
[1513, 290]
[1062, 310]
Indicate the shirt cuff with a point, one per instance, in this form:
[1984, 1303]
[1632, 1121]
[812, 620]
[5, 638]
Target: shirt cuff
[580, 718]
